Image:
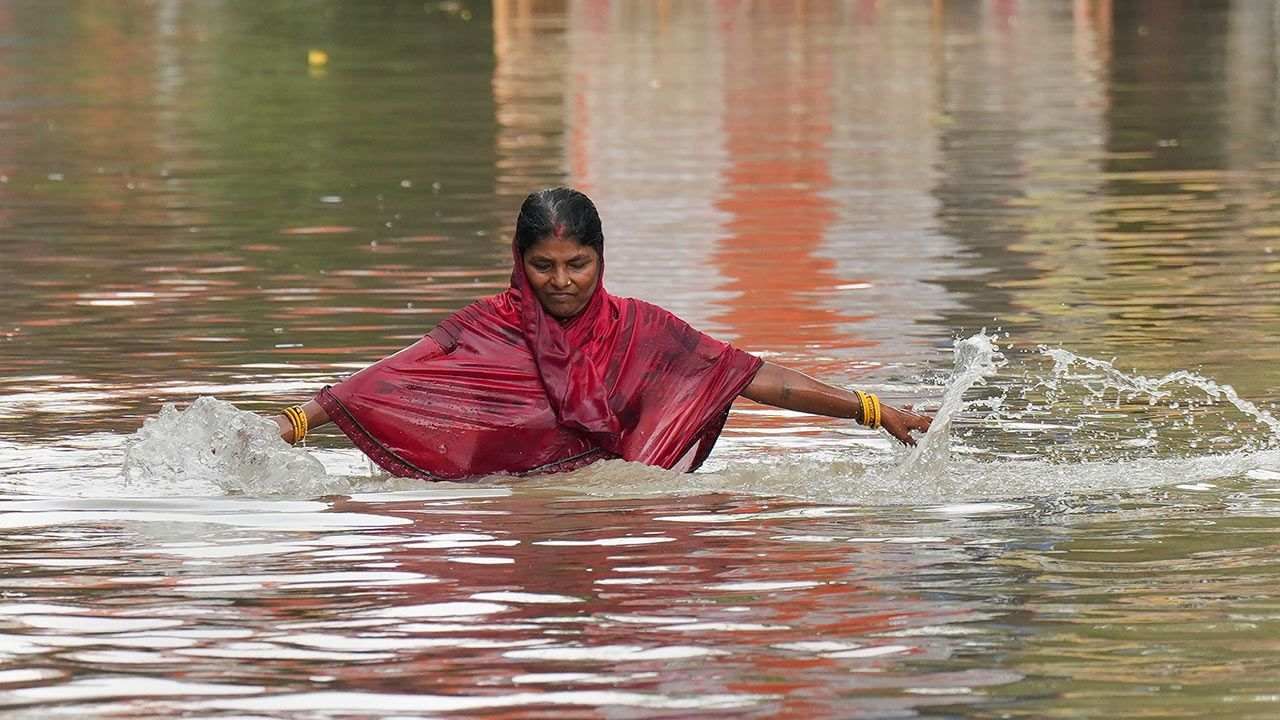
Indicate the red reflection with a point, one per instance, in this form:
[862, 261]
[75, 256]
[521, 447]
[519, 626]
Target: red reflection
[778, 119]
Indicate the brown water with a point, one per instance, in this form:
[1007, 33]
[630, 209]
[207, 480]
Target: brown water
[188, 208]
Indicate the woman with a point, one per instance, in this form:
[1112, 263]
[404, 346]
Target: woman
[556, 373]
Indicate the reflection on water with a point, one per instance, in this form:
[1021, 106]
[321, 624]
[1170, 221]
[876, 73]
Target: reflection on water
[777, 125]
[187, 208]
[472, 601]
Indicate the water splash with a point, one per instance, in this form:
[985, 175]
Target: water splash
[1008, 428]
[213, 448]
[1105, 380]
[1081, 426]
[976, 358]
[1008, 425]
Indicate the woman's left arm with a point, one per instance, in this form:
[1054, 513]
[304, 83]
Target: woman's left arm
[793, 390]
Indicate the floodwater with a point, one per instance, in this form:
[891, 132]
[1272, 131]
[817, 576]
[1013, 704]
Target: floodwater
[1056, 224]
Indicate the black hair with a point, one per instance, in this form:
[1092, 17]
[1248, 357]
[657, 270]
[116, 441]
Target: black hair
[559, 212]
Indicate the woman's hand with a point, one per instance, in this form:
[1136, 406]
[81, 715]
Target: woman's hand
[900, 422]
[285, 427]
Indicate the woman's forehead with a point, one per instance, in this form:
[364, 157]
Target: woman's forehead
[560, 248]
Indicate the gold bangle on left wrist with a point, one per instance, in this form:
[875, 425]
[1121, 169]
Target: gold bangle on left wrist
[298, 419]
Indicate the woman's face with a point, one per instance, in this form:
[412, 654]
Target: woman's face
[563, 275]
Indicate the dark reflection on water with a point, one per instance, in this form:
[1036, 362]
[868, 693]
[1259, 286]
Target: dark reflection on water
[189, 206]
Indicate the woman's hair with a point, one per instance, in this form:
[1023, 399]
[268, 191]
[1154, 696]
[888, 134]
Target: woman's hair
[559, 212]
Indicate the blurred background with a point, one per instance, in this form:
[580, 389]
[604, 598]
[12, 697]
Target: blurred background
[250, 199]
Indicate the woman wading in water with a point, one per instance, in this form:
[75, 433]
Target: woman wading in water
[556, 373]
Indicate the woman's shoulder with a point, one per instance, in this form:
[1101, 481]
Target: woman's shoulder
[492, 313]
[655, 318]
[645, 309]
[657, 323]
[490, 307]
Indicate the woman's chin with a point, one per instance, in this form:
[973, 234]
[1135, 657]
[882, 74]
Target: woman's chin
[563, 311]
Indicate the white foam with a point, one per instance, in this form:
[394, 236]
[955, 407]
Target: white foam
[213, 448]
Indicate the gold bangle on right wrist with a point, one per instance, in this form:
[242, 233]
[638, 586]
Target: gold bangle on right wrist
[870, 409]
[298, 419]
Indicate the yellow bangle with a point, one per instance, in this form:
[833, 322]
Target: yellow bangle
[865, 406]
[298, 418]
[875, 411]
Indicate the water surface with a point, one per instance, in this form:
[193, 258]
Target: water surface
[189, 208]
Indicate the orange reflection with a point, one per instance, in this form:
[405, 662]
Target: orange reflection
[778, 120]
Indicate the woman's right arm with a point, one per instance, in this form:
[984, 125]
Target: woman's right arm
[316, 416]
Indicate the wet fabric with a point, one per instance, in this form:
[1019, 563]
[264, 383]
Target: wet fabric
[503, 387]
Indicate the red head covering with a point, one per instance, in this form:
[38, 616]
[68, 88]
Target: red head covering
[503, 387]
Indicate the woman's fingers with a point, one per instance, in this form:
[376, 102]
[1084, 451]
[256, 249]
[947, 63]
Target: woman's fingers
[900, 422]
[916, 421]
[904, 436]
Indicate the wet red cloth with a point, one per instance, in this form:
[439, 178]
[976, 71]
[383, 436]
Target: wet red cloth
[503, 387]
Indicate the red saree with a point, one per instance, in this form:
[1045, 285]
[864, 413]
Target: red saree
[503, 387]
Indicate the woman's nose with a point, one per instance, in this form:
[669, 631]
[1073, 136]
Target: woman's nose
[561, 278]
